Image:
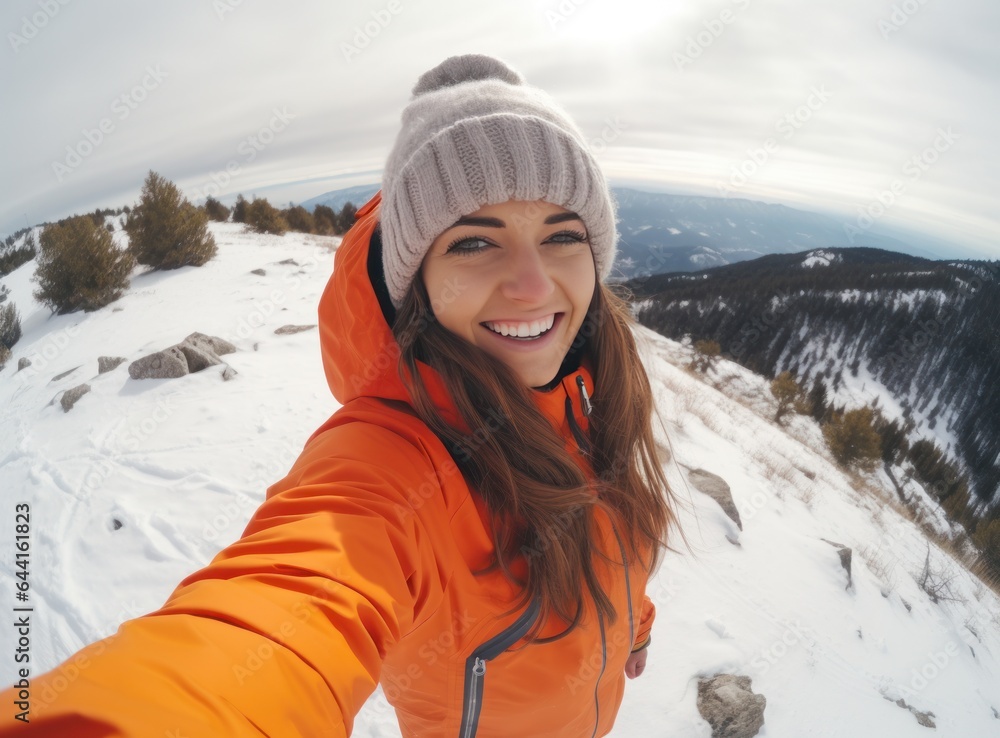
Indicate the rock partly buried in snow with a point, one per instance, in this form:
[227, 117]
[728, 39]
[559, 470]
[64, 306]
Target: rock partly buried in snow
[729, 705]
[198, 358]
[924, 718]
[218, 346]
[286, 329]
[845, 560]
[70, 396]
[106, 364]
[194, 353]
[228, 373]
[715, 487]
[65, 373]
[23, 363]
[259, 272]
[165, 364]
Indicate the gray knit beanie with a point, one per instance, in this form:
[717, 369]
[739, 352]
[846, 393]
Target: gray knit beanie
[475, 134]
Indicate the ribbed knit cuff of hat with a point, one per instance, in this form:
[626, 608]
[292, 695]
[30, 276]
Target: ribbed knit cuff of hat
[474, 134]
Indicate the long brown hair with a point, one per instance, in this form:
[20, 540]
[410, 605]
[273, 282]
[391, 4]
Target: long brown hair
[541, 503]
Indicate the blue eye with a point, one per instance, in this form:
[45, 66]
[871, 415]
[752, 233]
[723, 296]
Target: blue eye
[459, 246]
[466, 246]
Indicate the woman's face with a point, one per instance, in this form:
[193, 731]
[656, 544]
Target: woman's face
[516, 280]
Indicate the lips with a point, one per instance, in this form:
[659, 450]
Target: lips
[522, 330]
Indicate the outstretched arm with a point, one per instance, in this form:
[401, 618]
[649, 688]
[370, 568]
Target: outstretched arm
[283, 633]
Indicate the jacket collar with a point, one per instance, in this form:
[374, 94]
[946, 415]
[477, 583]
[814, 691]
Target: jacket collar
[360, 353]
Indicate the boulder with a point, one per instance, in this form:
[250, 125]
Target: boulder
[729, 705]
[70, 396]
[218, 346]
[715, 487]
[165, 364]
[194, 353]
[106, 364]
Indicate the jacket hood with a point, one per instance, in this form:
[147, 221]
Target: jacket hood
[360, 353]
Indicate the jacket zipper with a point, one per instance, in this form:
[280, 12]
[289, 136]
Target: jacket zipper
[475, 666]
[604, 663]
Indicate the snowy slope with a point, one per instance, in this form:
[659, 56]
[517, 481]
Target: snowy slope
[182, 464]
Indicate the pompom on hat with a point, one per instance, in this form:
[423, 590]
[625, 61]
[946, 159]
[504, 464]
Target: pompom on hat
[474, 134]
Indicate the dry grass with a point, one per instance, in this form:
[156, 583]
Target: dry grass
[883, 570]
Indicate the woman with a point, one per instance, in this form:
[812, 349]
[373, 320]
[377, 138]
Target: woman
[475, 527]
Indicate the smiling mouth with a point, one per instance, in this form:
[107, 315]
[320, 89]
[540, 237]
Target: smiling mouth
[523, 330]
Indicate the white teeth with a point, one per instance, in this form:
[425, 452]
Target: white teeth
[523, 330]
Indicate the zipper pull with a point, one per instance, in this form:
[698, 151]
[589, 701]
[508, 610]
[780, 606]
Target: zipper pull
[584, 397]
[480, 667]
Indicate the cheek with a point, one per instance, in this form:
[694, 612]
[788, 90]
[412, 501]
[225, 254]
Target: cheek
[454, 299]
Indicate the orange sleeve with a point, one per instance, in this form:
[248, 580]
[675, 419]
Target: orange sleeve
[283, 632]
[646, 617]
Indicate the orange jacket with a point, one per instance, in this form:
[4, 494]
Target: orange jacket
[356, 570]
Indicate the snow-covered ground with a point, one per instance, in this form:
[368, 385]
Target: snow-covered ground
[181, 465]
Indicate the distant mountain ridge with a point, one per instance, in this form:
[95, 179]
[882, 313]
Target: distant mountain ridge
[661, 232]
[918, 338]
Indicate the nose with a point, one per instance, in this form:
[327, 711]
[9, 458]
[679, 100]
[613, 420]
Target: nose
[527, 278]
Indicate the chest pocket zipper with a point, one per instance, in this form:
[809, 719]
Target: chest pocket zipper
[475, 666]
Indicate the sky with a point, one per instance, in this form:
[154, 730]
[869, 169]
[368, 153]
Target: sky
[880, 113]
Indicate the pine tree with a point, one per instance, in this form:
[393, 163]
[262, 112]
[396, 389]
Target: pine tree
[265, 218]
[240, 210]
[165, 230]
[787, 392]
[853, 440]
[299, 219]
[79, 267]
[215, 210]
[345, 218]
[324, 220]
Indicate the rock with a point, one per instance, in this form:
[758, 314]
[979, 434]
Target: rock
[23, 363]
[106, 364]
[995, 713]
[194, 353]
[116, 523]
[845, 560]
[166, 364]
[228, 373]
[924, 718]
[66, 373]
[216, 345]
[259, 272]
[70, 396]
[117, 310]
[289, 261]
[286, 329]
[715, 487]
[198, 358]
[729, 705]
[905, 604]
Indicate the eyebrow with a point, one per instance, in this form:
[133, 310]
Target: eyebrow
[472, 220]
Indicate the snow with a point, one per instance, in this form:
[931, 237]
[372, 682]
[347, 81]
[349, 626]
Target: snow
[819, 258]
[183, 464]
[674, 231]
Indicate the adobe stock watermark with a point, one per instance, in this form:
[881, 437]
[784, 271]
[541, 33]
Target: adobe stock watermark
[713, 28]
[899, 17]
[562, 12]
[913, 170]
[32, 25]
[122, 106]
[248, 149]
[222, 7]
[363, 35]
[787, 125]
[794, 634]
